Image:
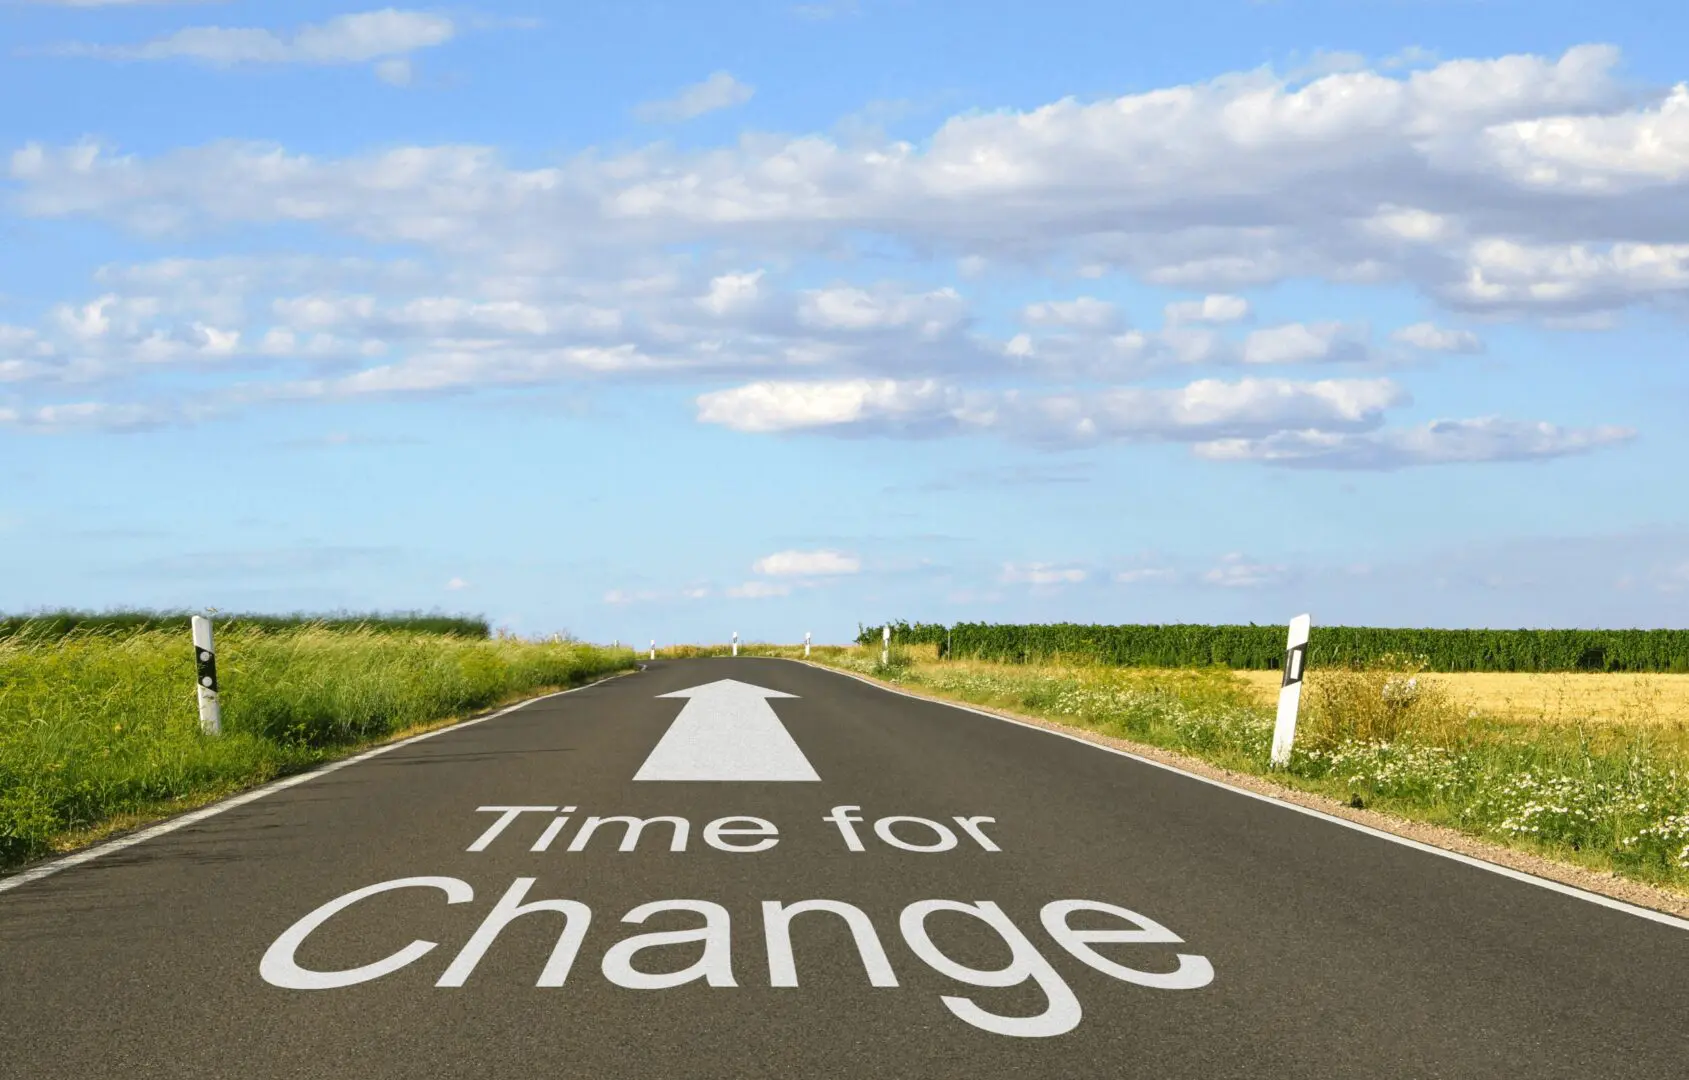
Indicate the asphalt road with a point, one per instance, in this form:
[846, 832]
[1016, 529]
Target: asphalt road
[1308, 949]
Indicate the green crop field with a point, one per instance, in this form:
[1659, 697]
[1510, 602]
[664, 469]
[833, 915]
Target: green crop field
[1262, 647]
[46, 624]
[101, 726]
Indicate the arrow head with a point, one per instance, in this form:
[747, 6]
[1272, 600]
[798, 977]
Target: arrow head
[728, 688]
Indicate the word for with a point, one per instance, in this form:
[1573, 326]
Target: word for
[714, 964]
[739, 834]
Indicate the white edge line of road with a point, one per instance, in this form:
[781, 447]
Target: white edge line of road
[1494, 868]
[194, 817]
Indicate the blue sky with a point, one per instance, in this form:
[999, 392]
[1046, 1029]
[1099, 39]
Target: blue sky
[673, 319]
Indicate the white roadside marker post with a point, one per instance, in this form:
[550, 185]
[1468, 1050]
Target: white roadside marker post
[735, 643]
[1290, 690]
[653, 648]
[885, 645]
[205, 667]
[806, 644]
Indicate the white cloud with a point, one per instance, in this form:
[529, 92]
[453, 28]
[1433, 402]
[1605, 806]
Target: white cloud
[1441, 442]
[720, 91]
[574, 270]
[732, 292]
[1353, 176]
[849, 308]
[1041, 574]
[1432, 338]
[758, 590]
[1205, 409]
[1214, 308]
[344, 39]
[1303, 343]
[1507, 275]
[456, 584]
[807, 564]
[396, 71]
[1147, 575]
[1406, 223]
[1237, 571]
[789, 406]
[1606, 153]
[1083, 313]
[623, 597]
[90, 416]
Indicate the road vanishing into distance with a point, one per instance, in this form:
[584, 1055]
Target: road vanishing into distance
[755, 868]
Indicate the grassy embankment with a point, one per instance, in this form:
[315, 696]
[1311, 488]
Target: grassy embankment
[1587, 769]
[99, 728]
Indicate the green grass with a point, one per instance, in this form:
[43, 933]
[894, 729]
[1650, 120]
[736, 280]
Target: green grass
[97, 726]
[1610, 798]
[51, 624]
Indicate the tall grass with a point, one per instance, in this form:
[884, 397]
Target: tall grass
[97, 724]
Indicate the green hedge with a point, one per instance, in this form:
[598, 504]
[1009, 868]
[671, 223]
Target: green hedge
[1262, 647]
[53, 624]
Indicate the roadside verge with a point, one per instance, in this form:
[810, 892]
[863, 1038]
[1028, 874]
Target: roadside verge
[1610, 890]
[142, 828]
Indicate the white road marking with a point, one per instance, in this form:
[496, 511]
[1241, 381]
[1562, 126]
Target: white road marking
[47, 869]
[1494, 868]
[727, 731]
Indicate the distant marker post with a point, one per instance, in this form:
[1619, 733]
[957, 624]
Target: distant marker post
[1290, 690]
[806, 644]
[653, 648]
[885, 645]
[205, 682]
[735, 643]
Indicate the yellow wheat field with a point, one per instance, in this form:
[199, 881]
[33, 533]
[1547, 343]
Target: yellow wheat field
[1548, 699]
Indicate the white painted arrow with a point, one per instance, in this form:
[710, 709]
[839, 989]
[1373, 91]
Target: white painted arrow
[727, 731]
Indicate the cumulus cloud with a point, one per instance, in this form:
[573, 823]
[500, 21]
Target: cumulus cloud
[1238, 571]
[623, 597]
[81, 416]
[720, 91]
[1302, 343]
[1084, 313]
[1432, 338]
[820, 563]
[1203, 410]
[862, 310]
[1354, 175]
[1039, 573]
[396, 71]
[1440, 442]
[1520, 186]
[1147, 575]
[758, 590]
[344, 39]
[1214, 308]
[773, 406]
[732, 292]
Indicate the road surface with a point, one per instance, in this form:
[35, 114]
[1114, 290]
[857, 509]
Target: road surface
[991, 901]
